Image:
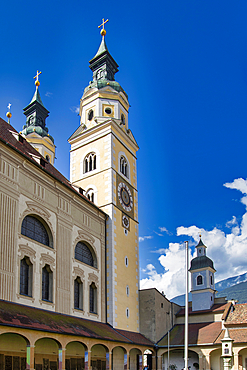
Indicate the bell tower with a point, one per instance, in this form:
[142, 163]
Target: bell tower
[35, 130]
[202, 279]
[103, 164]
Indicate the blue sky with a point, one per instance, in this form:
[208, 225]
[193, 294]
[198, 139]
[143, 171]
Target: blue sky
[184, 66]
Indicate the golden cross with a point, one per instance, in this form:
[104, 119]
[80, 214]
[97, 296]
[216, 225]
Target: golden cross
[103, 23]
[37, 75]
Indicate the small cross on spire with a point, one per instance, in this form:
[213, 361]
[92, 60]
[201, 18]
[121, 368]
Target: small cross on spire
[37, 83]
[103, 31]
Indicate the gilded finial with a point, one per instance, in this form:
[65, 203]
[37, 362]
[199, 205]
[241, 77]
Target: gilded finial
[37, 83]
[103, 31]
[200, 235]
[9, 114]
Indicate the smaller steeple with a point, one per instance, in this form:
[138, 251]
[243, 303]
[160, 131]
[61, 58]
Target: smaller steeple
[201, 248]
[202, 279]
[35, 129]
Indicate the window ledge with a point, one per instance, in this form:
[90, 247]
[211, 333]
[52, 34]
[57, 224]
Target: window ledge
[42, 301]
[25, 297]
[79, 310]
[93, 314]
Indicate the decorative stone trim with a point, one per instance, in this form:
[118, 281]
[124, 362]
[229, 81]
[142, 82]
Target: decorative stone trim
[84, 237]
[78, 272]
[25, 250]
[33, 207]
[92, 278]
[47, 259]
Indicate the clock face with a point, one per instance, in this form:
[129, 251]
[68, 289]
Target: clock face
[126, 222]
[125, 197]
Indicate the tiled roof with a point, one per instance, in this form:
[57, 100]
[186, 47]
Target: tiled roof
[237, 315]
[135, 337]
[27, 150]
[219, 307]
[200, 333]
[16, 315]
[239, 335]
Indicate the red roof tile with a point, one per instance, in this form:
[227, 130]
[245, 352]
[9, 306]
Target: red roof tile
[16, 315]
[135, 337]
[239, 335]
[215, 308]
[200, 333]
[237, 315]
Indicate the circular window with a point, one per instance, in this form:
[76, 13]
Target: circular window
[108, 110]
[90, 115]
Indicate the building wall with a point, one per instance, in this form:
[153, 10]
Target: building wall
[25, 190]
[157, 314]
[108, 140]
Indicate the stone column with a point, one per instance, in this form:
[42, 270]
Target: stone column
[153, 362]
[207, 364]
[87, 360]
[61, 358]
[201, 362]
[159, 365]
[30, 358]
[109, 356]
[128, 361]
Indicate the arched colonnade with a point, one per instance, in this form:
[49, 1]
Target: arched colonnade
[202, 359]
[29, 349]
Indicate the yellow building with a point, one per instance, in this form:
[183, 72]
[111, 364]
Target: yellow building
[69, 258]
[103, 164]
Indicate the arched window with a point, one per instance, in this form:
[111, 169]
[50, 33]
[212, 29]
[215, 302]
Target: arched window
[78, 294]
[93, 298]
[122, 119]
[199, 280]
[211, 279]
[90, 195]
[84, 254]
[123, 166]
[47, 283]
[34, 229]
[90, 115]
[26, 277]
[90, 162]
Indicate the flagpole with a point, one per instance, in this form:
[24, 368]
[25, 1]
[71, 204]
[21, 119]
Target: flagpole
[186, 324]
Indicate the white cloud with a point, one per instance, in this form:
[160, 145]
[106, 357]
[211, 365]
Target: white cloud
[48, 94]
[159, 251]
[75, 109]
[163, 229]
[142, 238]
[228, 247]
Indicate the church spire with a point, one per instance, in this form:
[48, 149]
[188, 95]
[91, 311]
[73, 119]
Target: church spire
[35, 129]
